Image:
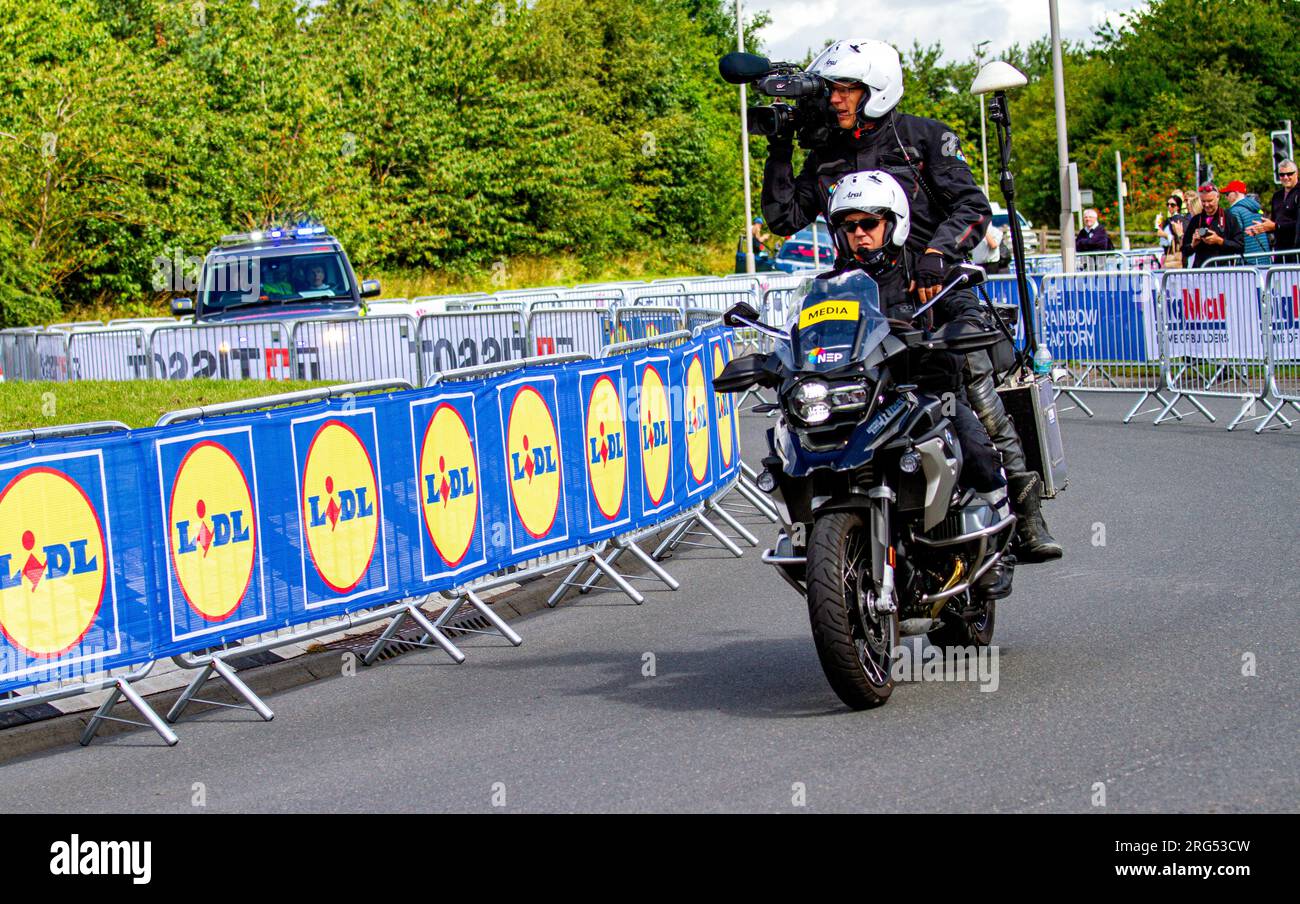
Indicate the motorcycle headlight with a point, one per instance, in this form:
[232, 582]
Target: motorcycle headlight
[810, 402]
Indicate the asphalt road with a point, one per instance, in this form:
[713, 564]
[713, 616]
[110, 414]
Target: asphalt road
[1122, 664]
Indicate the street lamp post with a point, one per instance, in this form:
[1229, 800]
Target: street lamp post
[744, 148]
[984, 135]
[1062, 140]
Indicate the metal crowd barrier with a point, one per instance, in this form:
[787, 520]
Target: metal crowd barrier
[564, 330]
[635, 322]
[1282, 318]
[1213, 333]
[1102, 328]
[213, 661]
[375, 347]
[109, 354]
[228, 351]
[460, 339]
[93, 679]
[1259, 259]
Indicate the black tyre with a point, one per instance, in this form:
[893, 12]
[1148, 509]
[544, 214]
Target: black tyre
[855, 645]
[957, 631]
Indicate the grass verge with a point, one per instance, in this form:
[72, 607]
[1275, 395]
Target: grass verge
[134, 403]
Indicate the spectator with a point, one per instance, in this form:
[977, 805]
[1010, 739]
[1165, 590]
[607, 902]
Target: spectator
[1170, 227]
[1193, 203]
[1245, 210]
[758, 238]
[1211, 233]
[1093, 236]
[1284, 213]
[988, 253]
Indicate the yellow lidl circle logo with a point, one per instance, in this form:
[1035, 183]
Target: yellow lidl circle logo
[53, 570]
[656, 434]
[606, 450]
[213, 534]
[340, 498]
[449, 484]
[722, 405]
[697, 420]
[534, 462]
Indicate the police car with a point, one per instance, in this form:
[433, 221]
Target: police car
[286, 273]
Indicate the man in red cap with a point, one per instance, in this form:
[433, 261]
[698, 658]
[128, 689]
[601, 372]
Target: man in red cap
[1211, 233]
[1246, 211]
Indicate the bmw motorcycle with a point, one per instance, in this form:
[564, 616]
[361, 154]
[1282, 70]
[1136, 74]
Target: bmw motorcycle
[864, 468]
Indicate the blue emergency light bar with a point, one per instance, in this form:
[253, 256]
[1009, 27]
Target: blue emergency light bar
[278, 234]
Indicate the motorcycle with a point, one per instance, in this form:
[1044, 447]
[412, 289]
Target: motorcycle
[864, 469]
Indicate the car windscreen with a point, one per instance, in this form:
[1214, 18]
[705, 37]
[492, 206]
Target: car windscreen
[307, 275]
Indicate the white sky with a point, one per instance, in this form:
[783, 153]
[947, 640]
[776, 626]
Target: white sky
[798, 25]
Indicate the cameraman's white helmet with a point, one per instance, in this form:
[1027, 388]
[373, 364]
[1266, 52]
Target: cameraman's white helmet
[874, 64]
[872, 192]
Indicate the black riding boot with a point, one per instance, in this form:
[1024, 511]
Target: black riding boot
[1033, 542]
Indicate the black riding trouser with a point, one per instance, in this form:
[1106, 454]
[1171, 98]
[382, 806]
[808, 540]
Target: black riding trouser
[984, 399]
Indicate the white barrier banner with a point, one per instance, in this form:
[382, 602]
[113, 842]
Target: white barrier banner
[245, 351]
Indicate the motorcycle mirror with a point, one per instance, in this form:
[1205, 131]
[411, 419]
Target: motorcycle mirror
[998, 76]
[739, 313]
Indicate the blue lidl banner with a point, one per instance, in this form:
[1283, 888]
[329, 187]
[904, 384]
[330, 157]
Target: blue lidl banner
[118, 549]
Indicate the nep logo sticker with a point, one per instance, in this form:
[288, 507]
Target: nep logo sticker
[656, 437]
[606, 448]
[534, 466]
[697, 422]
[339, 507]
[449, 486]
[828, 310]
[55, 563]
[213, 540]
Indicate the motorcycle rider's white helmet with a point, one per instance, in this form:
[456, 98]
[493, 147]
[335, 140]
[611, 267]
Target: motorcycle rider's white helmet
[870, 192]
[874, 64]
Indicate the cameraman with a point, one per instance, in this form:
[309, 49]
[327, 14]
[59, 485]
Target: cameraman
[949, 216]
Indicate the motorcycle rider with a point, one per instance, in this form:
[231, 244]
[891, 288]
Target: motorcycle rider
[870, 222]
[949, 216]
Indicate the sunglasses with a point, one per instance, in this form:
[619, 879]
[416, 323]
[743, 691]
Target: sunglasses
[1286, 172]
[866, 224]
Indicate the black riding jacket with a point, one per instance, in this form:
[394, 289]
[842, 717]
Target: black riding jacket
[949, 212]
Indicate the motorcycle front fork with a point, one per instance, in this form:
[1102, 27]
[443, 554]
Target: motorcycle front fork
[882, 550]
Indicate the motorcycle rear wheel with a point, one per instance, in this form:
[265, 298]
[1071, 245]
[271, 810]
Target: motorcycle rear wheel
[855, 644]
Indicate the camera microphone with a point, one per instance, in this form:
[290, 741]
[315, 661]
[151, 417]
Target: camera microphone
[741, 68]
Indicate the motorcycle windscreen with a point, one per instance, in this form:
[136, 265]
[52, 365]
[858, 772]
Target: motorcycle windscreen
[839, 321]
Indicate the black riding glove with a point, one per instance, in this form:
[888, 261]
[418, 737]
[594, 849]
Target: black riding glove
[930, 270]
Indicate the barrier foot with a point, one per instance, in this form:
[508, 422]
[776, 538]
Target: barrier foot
[618, 579]
[731, 522]
[236, 684]
[652, 566]
[122, 688]
[1169, 406]
[594, 579]
[678, 537]
[1133, 412]
[431, 633]
[601, 566]
[1078, 403]
[1274, 411]
[497, 622]
[670, 542]
[1246, 406]
[753, 495]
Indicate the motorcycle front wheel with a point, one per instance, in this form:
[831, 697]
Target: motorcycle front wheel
[854, 643]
